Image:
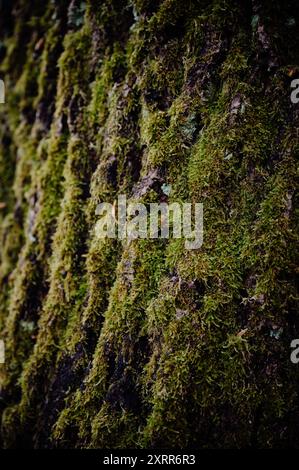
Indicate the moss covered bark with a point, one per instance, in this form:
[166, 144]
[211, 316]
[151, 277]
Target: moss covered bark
[112, 343]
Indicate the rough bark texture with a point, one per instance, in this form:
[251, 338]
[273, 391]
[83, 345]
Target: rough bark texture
[142, 344]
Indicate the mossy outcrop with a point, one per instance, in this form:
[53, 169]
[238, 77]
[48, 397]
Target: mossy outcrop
[114, 343]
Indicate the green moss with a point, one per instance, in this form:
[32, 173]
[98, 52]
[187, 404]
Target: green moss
[145, 344]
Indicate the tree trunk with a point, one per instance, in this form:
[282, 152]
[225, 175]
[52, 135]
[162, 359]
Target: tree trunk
[143, 343]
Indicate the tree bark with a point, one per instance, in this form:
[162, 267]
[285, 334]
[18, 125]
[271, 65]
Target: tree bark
[117, 343]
